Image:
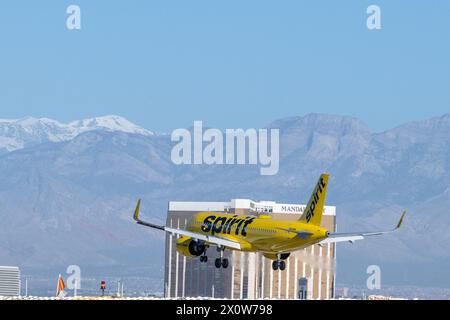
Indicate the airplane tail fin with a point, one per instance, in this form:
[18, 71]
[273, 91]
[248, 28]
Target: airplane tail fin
[314, 209]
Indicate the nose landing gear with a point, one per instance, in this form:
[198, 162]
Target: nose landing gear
[204, 257]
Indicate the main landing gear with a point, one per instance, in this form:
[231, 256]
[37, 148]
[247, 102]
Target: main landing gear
[221, 261]
[280, 263]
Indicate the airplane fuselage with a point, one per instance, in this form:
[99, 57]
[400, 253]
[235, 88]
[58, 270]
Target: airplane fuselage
[257, 233]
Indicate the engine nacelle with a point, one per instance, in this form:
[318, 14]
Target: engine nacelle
[196, 248]
[273, 256]
[190, 248]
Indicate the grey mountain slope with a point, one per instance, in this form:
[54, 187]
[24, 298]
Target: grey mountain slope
[71, 201]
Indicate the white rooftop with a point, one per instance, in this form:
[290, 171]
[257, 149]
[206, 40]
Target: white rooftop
[257, 206]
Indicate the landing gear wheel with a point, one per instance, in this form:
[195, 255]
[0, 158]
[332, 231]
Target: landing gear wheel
[203, 259]
[282, 265]
[218, 263]
[225, 263]
[275, 265]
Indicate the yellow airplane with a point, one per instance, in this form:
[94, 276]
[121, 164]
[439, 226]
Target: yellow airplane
[275, 239]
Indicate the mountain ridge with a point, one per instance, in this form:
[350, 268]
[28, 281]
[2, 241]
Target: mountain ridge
[17, 134]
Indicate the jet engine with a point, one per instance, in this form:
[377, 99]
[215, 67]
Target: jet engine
[189, 247]
[273, 256]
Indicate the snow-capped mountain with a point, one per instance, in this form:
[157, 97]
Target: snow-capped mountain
[19, 133]
[109, 123]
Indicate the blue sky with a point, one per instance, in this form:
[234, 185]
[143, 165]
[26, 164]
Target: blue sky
[164, 64]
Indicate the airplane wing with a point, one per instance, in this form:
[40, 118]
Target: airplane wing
[351, 237]
[194, 235]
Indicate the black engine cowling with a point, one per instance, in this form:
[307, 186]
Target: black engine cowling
[196, 248]
[274, 256]
[284, 256]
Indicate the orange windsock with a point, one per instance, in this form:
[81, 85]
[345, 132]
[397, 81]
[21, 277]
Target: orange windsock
[60, 288]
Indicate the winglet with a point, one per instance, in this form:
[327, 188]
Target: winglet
[401, 220]
[136, 212]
